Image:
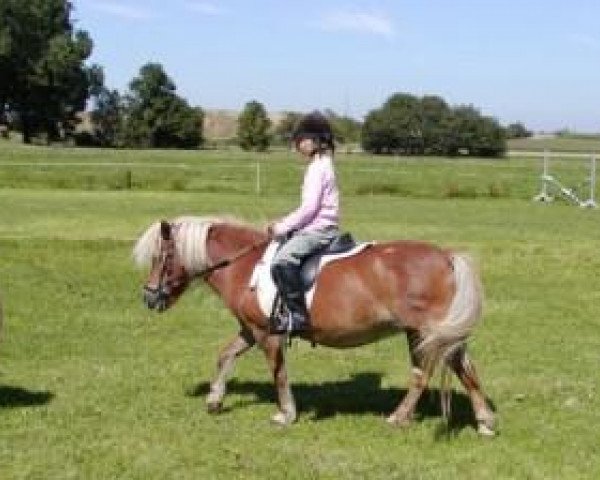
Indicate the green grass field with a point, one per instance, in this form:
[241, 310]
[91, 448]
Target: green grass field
[94, 386]
[574, 143]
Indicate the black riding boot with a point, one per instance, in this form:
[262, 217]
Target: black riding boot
[289, 285]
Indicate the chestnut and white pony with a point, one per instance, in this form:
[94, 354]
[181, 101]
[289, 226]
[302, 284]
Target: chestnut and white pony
[433, 295]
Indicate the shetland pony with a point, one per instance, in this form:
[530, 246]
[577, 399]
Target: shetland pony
[432, 295]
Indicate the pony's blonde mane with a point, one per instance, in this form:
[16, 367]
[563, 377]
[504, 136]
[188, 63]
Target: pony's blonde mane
[190, 235]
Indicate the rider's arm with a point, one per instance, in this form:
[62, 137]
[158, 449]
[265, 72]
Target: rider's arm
[312, 194]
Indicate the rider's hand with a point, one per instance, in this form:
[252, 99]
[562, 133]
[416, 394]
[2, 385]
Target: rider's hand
[270, 229]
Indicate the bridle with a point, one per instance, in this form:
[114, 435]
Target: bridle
[163, 288]
[229, 260]
[165, 285]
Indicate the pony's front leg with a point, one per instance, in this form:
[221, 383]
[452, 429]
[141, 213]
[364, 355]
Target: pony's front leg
[273, 346]
[236, 347]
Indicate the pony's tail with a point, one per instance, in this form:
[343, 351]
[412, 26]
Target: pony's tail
[442, 338]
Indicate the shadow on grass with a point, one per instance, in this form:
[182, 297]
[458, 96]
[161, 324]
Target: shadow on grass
[362, 394]
[15, 397]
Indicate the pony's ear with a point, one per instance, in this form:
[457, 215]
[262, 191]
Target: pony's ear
[165, 230]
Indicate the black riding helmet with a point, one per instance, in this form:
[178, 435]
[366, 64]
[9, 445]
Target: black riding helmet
[316, 127]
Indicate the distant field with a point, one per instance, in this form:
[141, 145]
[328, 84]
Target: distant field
[276, 173]
[587, 144]
[93, 386]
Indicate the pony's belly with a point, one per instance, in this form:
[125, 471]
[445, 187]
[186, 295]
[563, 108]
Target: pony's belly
[349, 339]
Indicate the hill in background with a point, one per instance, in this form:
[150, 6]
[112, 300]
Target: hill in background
[220, 124]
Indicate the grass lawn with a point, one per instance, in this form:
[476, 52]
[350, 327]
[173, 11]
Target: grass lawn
[585, 144]
[94, 386]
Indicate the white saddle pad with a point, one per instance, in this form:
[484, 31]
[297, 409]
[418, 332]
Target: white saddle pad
[262, 282]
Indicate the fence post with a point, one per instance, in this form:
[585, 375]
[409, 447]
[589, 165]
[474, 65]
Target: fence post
[591, 202]
[544, 196]
[593, 179]
[128, 180]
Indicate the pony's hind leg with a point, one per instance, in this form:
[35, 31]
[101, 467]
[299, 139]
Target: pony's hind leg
[273, 346]
[463, 367]
[236, 347]
[418, 382]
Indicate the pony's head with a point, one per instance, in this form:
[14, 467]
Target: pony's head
[175, 252]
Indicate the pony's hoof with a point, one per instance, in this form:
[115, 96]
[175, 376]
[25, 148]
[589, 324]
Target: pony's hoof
[214, 407]
[401, 421]
[485, 431]
[282, 419]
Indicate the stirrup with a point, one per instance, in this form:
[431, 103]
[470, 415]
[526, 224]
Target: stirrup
[297, 325]
[278, 326]
[279, 319]
[284, 324]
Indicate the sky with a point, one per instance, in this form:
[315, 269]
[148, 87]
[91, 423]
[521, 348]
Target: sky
[533, 61]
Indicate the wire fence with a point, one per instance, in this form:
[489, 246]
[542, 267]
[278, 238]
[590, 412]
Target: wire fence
[281, 174]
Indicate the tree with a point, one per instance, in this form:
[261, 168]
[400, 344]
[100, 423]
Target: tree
[395, 127]
[345, 129]
[462, 130]
[403, 110]
[490, 139]
[434, 116]
[107, 117]
[253, 127]
[285, 128]
[476, 135]
[410, 125]
[44, 79]
[517, 130]
[377, 133]
[5, 49]
[155, 116]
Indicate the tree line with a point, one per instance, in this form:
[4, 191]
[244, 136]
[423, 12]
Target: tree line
[45, 84]
[429, 126]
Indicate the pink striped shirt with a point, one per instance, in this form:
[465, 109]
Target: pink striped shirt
[320, 200]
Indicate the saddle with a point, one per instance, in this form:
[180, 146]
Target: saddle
[310, 268]
[262, 283]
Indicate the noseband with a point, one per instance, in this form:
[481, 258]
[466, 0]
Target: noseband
[165, 285]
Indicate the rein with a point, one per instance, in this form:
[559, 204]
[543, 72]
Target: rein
[228, 261]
